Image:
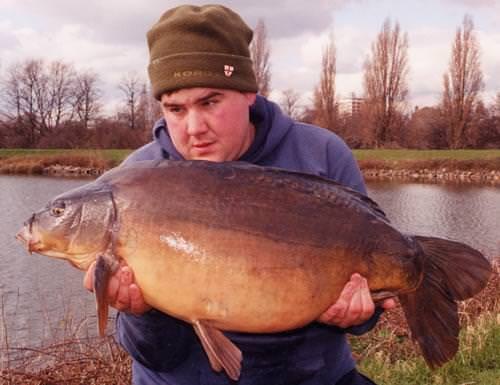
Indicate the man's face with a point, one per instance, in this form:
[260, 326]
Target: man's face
[209, 123]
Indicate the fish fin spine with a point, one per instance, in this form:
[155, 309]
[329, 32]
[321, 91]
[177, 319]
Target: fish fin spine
[221, 352]
[452, 271]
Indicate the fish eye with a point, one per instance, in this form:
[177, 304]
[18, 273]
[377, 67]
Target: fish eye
[58, 209]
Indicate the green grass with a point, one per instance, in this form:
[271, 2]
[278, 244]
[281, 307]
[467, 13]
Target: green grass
[477, 362]
[426, 154]
[119, 155]
[113, 155]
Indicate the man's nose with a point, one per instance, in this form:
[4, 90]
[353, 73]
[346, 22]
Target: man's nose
[196, 124]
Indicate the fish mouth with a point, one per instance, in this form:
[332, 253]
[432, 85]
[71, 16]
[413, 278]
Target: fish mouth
[26, 238]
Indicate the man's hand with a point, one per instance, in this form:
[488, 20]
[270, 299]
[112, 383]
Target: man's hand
[354, 306]
[123, 293]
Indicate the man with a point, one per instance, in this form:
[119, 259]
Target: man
[201, 71]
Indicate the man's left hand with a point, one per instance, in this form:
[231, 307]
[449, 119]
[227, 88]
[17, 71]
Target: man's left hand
[354, 306]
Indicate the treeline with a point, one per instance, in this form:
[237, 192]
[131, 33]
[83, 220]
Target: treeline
[381, 116]
[52, 105]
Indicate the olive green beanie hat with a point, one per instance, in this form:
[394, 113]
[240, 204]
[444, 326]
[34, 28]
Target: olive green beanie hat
[205, 46]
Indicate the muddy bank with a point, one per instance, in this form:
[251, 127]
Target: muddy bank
[75, 171]
[433, 170]
[440, 175]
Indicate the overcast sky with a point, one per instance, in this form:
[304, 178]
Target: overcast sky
[108, 36]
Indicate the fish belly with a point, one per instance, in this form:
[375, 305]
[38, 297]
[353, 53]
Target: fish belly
[239, 281]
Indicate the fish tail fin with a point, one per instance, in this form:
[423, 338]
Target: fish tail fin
[452, 271]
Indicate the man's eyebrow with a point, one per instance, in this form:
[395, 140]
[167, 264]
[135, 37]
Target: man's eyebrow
[209, 96]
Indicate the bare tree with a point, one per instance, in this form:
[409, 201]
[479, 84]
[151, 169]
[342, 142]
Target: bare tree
[86, 95]
[324, 99]
[496, 105]
[260, 51]
[131, 87]
[59, 94]
[462, 85]
[290, 103]
[23, 98]
[148, 111]
[40, 94]
[425, 129]
[385, 82]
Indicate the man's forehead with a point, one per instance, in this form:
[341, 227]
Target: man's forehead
[191, 94]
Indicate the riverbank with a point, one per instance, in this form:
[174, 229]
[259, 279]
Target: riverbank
[386, 353]
[465, 166]
[433, 171]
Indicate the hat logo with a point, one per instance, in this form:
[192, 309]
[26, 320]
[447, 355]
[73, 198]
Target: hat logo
[228, 70]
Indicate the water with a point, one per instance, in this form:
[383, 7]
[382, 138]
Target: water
[43, 299]
[462, 212]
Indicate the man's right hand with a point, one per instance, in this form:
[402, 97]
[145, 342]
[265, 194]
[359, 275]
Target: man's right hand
[123, 293]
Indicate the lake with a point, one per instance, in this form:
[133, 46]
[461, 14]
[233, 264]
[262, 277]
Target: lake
[42, 300]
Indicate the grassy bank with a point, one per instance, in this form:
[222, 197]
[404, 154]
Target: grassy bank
[386, 354]
[25, 161]
[109, 155]
[414, 160]
[415, 155]
[22, 161]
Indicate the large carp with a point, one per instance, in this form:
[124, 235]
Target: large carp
[230, 246]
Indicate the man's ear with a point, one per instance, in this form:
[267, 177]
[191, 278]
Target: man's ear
[251, 96]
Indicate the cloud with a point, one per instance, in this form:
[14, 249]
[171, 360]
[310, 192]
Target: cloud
[128, 20]
[428, 55]
[109, 37]
[490, 47]
[77, 45]
[7, 40]
[475, 3]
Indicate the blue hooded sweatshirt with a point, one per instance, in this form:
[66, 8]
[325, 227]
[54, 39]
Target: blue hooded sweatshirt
[166, 350]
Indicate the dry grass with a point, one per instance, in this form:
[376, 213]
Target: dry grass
[37, 164]
[91, 361]
[391, 335]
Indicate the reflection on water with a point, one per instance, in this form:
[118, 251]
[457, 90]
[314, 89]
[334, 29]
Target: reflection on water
[465, 213]
[38, 292]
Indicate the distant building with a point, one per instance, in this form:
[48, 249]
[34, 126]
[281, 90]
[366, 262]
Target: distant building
[356, 104]
[351, 105]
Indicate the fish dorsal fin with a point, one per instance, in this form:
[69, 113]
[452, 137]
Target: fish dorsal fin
[221, 352]
[363, 199]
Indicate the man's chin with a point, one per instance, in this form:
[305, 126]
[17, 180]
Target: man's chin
[209, 156]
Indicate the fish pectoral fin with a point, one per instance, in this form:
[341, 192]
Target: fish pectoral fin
[221, 352]
[381, 295]
[104, 268]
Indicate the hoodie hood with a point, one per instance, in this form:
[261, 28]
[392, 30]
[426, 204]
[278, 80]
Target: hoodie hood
[271, 126]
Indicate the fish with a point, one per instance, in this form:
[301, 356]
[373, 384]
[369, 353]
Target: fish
[238, 247]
